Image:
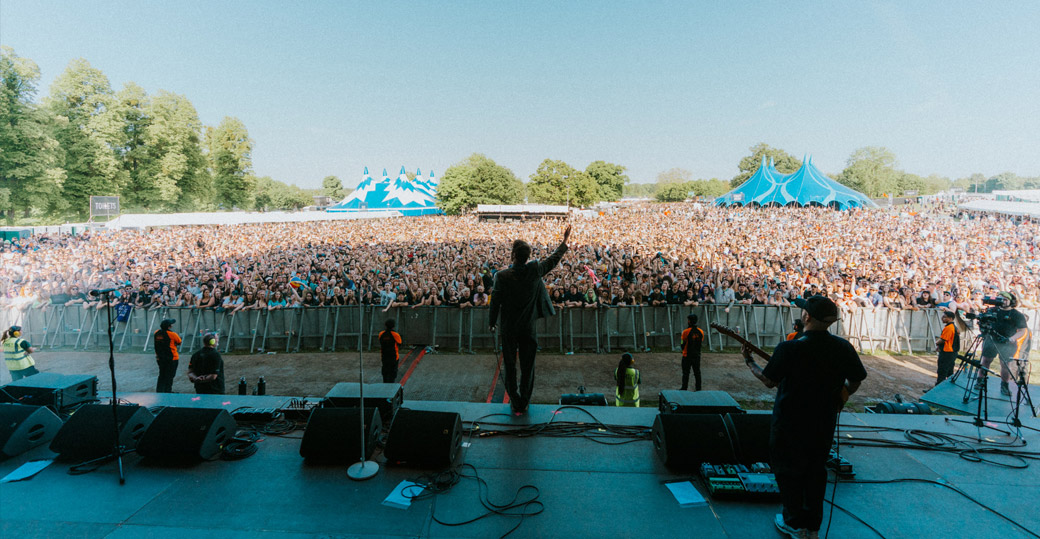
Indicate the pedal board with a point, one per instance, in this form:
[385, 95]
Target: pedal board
[740, 482]
[841, 466]
[299, 410]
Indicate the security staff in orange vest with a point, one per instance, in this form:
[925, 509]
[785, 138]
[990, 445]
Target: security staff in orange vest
[389, 351]
[692, 338]
[166, 343]
[947, 344]
[799, 327]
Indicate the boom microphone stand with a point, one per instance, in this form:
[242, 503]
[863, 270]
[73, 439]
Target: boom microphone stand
[364, 469]
[117, 449]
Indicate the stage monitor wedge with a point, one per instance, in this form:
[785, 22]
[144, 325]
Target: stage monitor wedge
[424, 439]
[187, 434]
[675, 401]
[58, 391]
[386, 397]
[23, 427]
[334, 435]
[89, 433]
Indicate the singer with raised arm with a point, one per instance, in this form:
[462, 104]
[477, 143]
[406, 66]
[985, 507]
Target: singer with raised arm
[519, 295]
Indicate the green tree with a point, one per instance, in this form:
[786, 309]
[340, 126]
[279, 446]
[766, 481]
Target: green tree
[80, 97]
[230, 159]
[123, 125]
[975, 182]
[30, 172]
[477, 180]
[177, 168]
[1004, 181]
[639, 190]
[710, 188]
[556, 182]
[332, 187]
[273, 194]
[872, 171]
[784, 162]
[673, 192]
[611, 179]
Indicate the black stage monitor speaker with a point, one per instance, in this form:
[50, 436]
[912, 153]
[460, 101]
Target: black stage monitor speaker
[386, 397]
[59, 391]
[88, 434]
[187, 434]
[673, 401]
[23, 427]
[901, 408]
[333, 434]
[684, 441]
[424, 439]
[750, 436]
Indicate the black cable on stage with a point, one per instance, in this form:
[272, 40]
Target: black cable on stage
[949, 486]
[242, 445]
[596, 431]
[966, 447]
[860, 520]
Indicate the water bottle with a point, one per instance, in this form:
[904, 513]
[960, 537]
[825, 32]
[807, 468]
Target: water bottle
[261, 386]
[243, 387]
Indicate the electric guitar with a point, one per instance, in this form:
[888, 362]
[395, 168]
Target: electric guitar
[843, 396]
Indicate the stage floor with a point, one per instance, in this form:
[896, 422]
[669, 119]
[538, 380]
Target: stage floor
[587, 489]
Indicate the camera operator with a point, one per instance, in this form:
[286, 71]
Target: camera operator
[1006, 335]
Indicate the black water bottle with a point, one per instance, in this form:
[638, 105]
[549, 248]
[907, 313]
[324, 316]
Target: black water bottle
[242, 386]
[261, 387]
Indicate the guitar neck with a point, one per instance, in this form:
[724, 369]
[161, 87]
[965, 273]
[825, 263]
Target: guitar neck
[737, 337]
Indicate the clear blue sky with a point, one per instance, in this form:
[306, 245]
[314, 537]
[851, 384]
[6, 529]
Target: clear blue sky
[331, 87]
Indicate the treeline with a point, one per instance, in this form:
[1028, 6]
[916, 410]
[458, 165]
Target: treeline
[85, 138]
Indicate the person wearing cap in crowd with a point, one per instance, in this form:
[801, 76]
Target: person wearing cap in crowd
[206, 368]
[814, 374]
[1009, 340]
[692, 338]
[18, 354]
[948, 343]
[166, 356]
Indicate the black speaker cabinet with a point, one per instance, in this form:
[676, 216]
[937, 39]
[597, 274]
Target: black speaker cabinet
[583, 399]
[334, 435]
[23, 427]
[424, 439]
[684, 441]
[750, 436]
[187, 434]
[59, 391]
[89, 433]
[386, 397]
[673, 401]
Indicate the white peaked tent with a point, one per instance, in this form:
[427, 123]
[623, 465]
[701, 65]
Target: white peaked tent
[408, 197]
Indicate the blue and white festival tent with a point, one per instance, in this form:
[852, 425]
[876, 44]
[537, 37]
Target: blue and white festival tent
[807, 186]
[409, 197]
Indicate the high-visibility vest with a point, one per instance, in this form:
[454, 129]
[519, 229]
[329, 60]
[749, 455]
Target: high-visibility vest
[630, 396]
[15, 356]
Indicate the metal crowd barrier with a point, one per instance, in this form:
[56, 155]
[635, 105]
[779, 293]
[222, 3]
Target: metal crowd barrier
[331, 329]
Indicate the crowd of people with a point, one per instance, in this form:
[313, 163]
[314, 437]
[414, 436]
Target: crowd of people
[640, 255]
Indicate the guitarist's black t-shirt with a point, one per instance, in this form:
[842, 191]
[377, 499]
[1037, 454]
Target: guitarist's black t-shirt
[811, 372]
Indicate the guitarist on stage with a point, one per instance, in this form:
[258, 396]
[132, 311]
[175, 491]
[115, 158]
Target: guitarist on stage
[815, 373]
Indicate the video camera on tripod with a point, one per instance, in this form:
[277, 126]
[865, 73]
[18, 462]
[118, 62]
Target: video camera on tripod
[988, 320]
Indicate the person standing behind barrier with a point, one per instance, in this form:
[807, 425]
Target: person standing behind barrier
[948, 343]
[166, 343]
[628, 380]
[520, 296]
[206, 368]
[18, 354]
[799, 327]
[692, 338]
[389, 351]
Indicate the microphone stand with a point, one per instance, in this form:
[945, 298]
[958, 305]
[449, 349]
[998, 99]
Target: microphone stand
[364, 469]
[117, 449]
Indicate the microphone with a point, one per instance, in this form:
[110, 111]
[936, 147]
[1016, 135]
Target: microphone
[98, 292]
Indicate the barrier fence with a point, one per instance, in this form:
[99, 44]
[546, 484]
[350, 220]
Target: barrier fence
[332, 329]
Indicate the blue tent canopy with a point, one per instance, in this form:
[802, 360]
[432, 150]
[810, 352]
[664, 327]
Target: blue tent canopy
[807, 186]
[409, 197]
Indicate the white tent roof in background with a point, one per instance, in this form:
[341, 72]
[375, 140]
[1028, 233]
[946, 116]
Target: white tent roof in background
[147, 220]
[1032, 195]
[1030, 209]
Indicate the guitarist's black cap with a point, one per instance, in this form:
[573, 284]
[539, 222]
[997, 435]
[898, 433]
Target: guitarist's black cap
[820, 308]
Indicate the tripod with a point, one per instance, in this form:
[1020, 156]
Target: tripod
[975, 386]
[1022, 381]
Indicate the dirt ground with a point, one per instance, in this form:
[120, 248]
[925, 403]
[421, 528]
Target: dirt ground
[468, 377]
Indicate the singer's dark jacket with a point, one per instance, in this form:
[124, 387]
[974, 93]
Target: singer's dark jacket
[520, 295]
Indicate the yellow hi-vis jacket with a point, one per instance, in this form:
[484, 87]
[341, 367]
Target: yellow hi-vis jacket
[16, 357]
